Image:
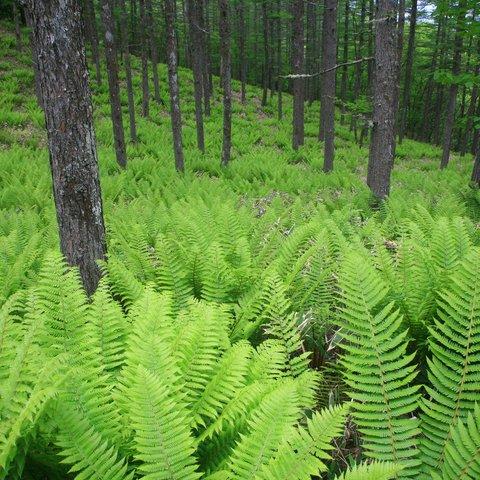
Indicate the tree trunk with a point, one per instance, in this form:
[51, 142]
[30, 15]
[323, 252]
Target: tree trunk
[408, 72]
[203, 35]
[343, 84]
[476, 133]
[153, 37]
[371, 38]
[33, 47]
[382, 146]
[208, 54]
[328, 90]
[144, 57]
[476, 170]
[93, 37]
[279, 61]
[175, 114]
[400, 35]
[195, 40]
[16, 19]
[452, 93]
[112, 70]
[266, 52]
[470, 114]
[298, 63]
[128, 69]
[311, 51]
[241, 47]
[224, 27]
[71, 138]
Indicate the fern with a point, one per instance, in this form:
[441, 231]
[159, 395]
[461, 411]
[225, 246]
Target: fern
[372, 471]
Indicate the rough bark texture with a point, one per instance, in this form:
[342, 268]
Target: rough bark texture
[452, 92]
[298, 62]
[144, 56]
[226, 75]
[408, 72]
[128, 69]
[266, 59]
[205, 64]
[279, 61]
[33, 47]
[195, 42]
[93, 37]
[328, 90]
[382, 146]
[112, 70]
[175, 114]
[153, 39]
[71, 138]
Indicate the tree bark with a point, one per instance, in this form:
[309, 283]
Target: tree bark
[175, 113]
[128, 69]
[195, 40]
[470, 115]
[408, 72]
[112, 70]
[71, 138]
[33, 47]
[144, 57]
[343, 84]
[298, 62]
[205, 62]
[224, 26]
[266, 52]
[91, 28]
[279, 61]
[311, 51]
[241, 47]
[452, 93]
[476, 170]
[371, 39]
[382, 146]
[328, 90]
[153, 39]
[16, 19]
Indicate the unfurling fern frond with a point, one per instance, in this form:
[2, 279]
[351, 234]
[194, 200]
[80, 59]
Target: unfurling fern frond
[454, 369]
[377, 368]
[372, 471]
[163, 442]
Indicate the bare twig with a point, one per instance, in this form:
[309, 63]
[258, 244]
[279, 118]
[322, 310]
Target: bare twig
[307, 75]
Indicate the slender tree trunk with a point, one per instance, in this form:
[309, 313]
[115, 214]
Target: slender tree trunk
[476, 133]
[343, 85]
[408, 72]
[204, 63]
[33, 48]
[128, 69]
[16, 19]
[112, 70]
[476, 170]
[279, 61]
[208, 52]
[194, 30]
[226, 74]
[382, 146]
[71, 137]
[321, 130]
[144, 56]
[452, 93]
[93, 37]
[298, 63]
[470, 115]
[241, 47]
[311, 51]
[266, 52]
[153, 37]
[328, 90]
[175, 114]
[400, 36]
[371, 38]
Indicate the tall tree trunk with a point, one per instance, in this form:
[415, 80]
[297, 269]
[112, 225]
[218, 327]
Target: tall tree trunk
[144, 56]
[343, 84]
[371, 38]
[311, 51]
[33, 48]
[112, 70]
[93, 37]
[452, 93]
[226, 74]
[266, 52]
[16, 19]
[476, 133]
[298, 62]
[476, 170]
[470, 114]
[208, 53]
[128, 69]
[204, 56]
[153, 37]
[400, 35]
[382, 146]
[408, 72]
[328, 90]
[241, 48]
[279, 61]
[175, 114]
[71, 138]
[195, 34]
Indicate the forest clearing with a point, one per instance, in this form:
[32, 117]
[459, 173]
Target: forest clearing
[239, 240]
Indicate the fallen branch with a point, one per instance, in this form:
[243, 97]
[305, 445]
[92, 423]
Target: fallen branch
[309, 75]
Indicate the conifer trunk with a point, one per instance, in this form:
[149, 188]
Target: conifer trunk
[144, 57]
[225, 74]
[175, 114]
[112, 70]
[382, 146]
[298, 63]
[71, 139]
[93, 37]
[241, 47]
[153, 39]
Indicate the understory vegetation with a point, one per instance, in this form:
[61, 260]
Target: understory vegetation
[261, 321]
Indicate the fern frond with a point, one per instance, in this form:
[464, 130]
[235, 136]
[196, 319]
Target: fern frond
[377, 367]
[372, 471]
